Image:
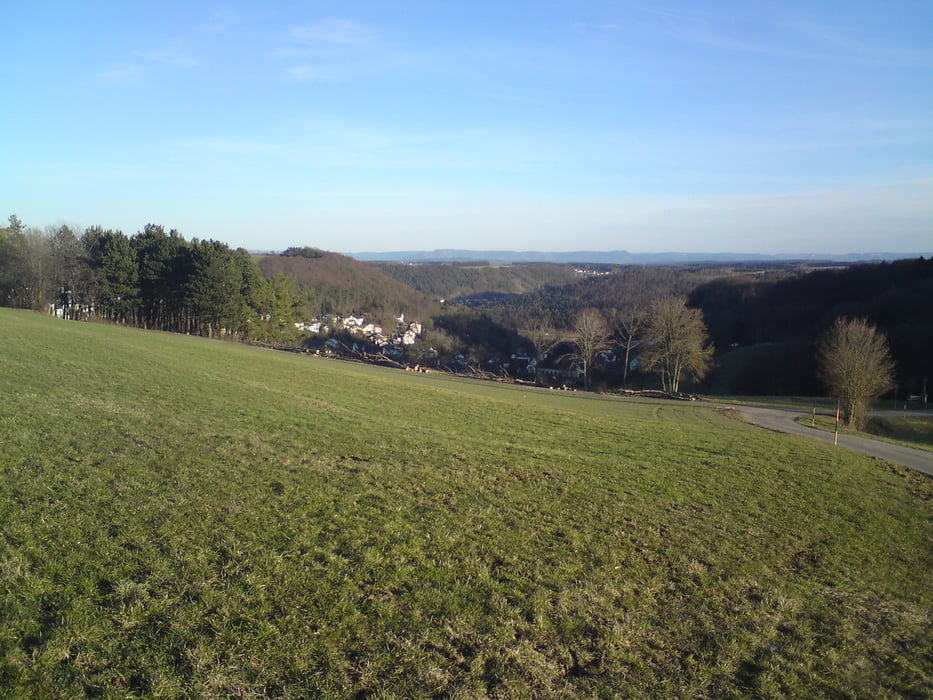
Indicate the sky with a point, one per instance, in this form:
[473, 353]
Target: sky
[750, 127]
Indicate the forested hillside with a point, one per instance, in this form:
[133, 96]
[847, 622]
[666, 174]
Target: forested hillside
[763, 320]
[451, 280]
[772, 324]
[622, 287]
[334, 283]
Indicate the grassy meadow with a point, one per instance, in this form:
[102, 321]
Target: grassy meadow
[190, 518]
[912, 431]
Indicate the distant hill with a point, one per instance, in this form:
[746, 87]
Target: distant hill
[449, 281]
[334, 283]
[624, 286]
[616, 257]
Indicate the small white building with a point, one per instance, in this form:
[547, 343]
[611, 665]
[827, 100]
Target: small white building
[312, 327]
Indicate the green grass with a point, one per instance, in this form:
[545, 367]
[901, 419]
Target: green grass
[912, 431]
[801, 403]
[188, 518]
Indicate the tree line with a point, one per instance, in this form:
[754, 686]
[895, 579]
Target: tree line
[154, 279]
[661, 337]
[774, 323]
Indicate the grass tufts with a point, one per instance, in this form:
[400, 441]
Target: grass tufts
[185, 518]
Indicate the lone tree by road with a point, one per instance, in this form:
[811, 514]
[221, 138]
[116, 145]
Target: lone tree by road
[855, 364]
[589, 336]
[676, 344]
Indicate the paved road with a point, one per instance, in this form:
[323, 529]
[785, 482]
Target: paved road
[782, 420]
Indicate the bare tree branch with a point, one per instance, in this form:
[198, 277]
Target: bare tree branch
[677, 346]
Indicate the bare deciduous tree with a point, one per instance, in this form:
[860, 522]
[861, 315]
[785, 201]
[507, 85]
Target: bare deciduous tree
[629, 322]
[589, 336]
[677, 346]
[544, 339]
[855, 364]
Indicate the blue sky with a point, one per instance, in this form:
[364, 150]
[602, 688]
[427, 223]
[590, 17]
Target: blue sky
[760, 127]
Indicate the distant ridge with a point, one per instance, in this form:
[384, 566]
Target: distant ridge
[615, 257]
[343, 285]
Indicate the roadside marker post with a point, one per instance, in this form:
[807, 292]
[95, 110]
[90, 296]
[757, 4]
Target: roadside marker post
[836, 429]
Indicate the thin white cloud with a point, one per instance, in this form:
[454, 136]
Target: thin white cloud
[774, 34]
[802, 40]
[605, 27]
[332, 31]
[231, 146]
[173, 54]
[121, 73]
[223, 21]
[888, 59]
[133, 72]
[862, 50]
[301, 72]
[331, 49]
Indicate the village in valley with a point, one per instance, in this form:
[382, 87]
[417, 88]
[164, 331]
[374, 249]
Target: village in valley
[367, 335]
[356, 337]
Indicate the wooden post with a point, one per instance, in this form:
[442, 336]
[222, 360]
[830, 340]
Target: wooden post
[813, 418]
[836, 430]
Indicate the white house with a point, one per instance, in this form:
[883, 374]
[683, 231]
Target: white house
[313, 327]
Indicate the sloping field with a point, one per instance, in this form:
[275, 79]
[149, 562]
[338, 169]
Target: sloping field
[182, 517]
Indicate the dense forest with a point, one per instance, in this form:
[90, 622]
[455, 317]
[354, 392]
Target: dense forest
[617, 287]
[770, 326]
[623, 287]
[454, 280]
[153, 279]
